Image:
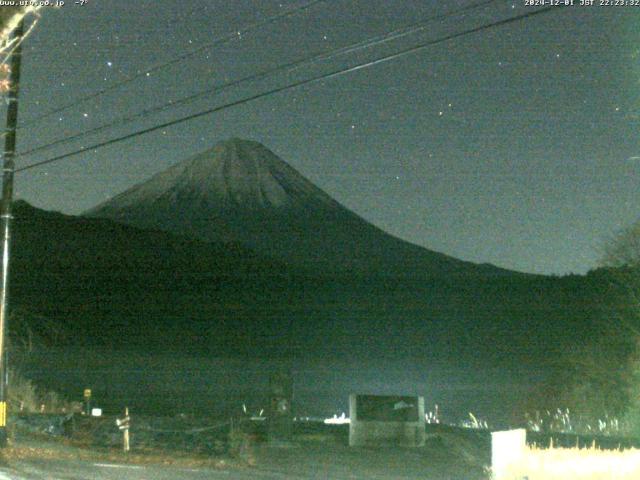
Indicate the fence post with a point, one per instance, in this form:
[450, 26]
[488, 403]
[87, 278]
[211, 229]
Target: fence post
[123, 424]
[126, 431]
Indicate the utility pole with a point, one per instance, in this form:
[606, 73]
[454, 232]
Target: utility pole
[8, 169]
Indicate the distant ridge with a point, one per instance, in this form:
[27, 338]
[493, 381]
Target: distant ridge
[241, 191]
[99, 282]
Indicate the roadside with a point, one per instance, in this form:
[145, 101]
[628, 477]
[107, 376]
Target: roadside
[317, 455]
[33, 457]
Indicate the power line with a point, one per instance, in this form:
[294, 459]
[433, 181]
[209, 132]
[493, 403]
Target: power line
[374, 41]
[217, 41]
[333, 74]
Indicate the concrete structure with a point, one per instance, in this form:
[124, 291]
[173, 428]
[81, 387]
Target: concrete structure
[280, 417]
[386, 420]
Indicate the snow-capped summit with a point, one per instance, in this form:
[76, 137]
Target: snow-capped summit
[245, 174]
[234, 174]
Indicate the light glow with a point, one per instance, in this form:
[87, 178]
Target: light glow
[337, 420]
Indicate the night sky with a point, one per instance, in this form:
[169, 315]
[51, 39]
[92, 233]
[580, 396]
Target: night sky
[518, 145]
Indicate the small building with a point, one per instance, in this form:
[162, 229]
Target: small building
[386, 420]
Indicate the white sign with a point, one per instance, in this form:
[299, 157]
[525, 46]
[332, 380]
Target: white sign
[507, 449]
[123, 423]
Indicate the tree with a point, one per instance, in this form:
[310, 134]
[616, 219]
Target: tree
[623, 250]
[622, 262]
[600, 377]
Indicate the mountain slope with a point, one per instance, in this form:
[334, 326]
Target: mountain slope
[241, 191]
[104, 283]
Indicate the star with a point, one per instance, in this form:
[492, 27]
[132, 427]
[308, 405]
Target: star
[109, 64]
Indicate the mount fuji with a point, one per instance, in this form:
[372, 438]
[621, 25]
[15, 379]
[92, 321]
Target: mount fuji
[240, 191]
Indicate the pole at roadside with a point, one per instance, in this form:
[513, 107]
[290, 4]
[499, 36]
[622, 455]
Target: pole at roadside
[8, 170]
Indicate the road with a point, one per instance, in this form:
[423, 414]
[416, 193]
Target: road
[304, 469]
[313, 460]
[83, 470]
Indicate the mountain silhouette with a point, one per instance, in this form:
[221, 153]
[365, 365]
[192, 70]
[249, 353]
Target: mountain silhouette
[242, 192]
[232, 251]
[91, 281]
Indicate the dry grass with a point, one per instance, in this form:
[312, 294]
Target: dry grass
[26, 397]
[242, 444]
[64, 451]
[576, 464]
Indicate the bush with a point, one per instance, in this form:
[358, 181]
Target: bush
[25, 397]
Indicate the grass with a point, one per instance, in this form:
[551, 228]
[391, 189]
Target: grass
[563, 421]
[43, 447]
